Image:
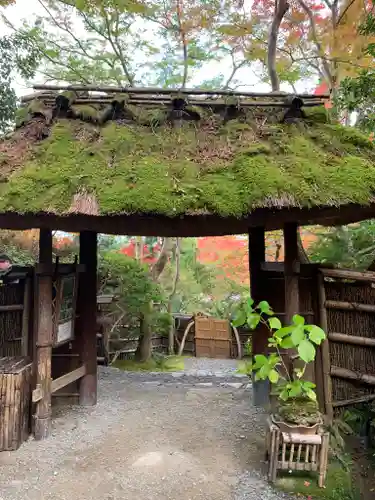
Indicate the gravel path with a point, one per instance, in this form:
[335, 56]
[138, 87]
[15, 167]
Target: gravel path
[151, 437]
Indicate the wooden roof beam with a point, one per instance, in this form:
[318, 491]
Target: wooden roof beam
[163, 91]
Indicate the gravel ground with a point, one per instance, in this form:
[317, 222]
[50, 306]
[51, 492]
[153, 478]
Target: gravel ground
[151, 437]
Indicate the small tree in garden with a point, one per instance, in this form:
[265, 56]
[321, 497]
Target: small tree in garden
[136, 291]
[297, 396]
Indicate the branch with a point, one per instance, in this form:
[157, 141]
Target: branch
[184, 43]
[66, 29]
[177, 275]
[236, 67]
[318, 45]
[344, 12]
[117, 48]
[171, 296]
[81, 77]
[281, 8]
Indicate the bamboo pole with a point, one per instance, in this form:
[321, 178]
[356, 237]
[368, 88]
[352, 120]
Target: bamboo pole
[202, 104]
[164, 91]
[354, 401]
[44, 340]
[346, 374]
[326, 361]
[349, 306]
[351, 339]
[109, 97]
[11, 308]
[26, 318]
[349, 274]
[2, 407]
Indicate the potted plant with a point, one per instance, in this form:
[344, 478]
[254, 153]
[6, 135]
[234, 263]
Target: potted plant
[297, 408]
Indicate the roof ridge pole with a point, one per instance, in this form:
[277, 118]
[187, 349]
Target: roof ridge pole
[173, 92]
[86, 308]
[257, 255]
[44, 338]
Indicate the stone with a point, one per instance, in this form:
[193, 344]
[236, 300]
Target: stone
[234, 385]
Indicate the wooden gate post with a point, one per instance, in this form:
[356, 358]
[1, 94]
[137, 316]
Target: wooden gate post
[87, 317]
[44, 337]
[291, 276]
[291, 271]
[257, 255]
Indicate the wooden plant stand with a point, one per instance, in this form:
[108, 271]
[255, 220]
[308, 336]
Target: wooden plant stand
[292, 451]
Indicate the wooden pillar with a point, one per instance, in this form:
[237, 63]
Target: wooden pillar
[257, 255]
[87, 317]
[42, 424]
[291, 271]
[291, 275]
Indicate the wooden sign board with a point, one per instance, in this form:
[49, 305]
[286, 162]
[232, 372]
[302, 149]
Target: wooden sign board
[65, 299]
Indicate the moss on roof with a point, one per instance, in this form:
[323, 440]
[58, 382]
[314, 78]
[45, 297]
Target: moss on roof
[200, 167]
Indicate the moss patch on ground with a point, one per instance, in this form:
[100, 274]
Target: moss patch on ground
[162, 364]
[209, 167]
[339, 485]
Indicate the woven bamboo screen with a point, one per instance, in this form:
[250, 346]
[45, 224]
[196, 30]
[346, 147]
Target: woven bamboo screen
[357, 358]
[12, 320]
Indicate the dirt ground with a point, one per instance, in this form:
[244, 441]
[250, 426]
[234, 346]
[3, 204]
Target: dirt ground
[148, 438]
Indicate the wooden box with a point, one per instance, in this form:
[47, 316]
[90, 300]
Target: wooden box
[213, 337]
[15, 399]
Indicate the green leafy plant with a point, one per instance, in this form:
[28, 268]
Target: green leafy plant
[298, 339]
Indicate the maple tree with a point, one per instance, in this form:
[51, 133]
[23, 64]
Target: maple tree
[319, 37]
[356, 94]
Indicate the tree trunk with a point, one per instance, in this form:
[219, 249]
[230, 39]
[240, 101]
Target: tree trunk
[165, 253]
[144, 348]
[281, 8]
[302, 255]
[171, 297]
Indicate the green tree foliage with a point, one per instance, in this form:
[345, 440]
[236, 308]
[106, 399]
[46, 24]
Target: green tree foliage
[128, 279]
[346, 246]
[358, 94]
[18, 56]
[157, 42]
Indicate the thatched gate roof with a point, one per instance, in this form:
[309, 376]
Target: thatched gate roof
[221, 163]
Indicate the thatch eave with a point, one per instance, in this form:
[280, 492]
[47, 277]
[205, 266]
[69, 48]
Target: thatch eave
[188, 170]
[188, 225]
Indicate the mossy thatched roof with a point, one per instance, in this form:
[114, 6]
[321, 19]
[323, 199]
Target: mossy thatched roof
[88, 158]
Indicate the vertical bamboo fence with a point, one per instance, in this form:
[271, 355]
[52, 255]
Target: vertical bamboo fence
[15, 394]
[347, 311]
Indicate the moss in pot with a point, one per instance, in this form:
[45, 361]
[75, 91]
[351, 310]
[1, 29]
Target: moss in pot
[297, 408]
